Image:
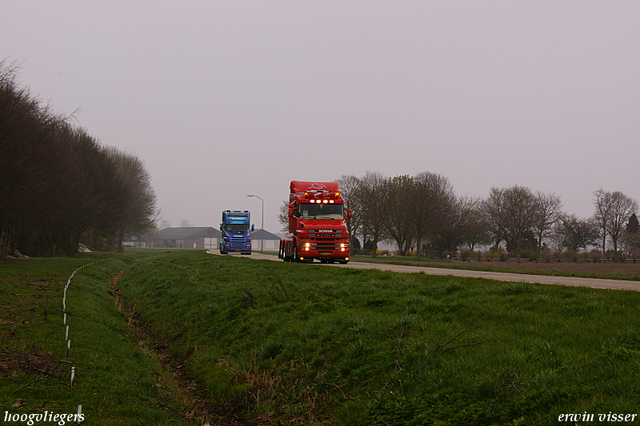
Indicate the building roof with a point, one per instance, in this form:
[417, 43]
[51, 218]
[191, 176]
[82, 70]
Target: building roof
[188, 233]
[261, 234]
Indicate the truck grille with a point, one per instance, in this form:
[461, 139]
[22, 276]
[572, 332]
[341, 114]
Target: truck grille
[237, 242]
[325, 239]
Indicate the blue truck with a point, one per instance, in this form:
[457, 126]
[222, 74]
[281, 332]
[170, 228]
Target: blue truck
[236, 231]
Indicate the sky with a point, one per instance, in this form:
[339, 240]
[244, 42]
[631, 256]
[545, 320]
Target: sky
[222, 99]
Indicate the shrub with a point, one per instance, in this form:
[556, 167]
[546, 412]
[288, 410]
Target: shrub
[465, 254]
[529, 254]
[571, 255]
[494, 252]
[595, 255]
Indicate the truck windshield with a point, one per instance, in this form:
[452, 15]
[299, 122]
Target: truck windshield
[236, 229]
[321, 211]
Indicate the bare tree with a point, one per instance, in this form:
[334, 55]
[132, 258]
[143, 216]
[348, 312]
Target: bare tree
[163, 224]
[430, 193]
[511, 213]
[283, 216]
[138, 211]
[400, 228]
[578, 233]
[31, 158]
[463, 224]
[622, 207]
[613, 210]
[475, 232]
[374, 193]
[493, 212]
[549, 211]
[602, 203]
[99, 195]
[350, 191]
[58, 182]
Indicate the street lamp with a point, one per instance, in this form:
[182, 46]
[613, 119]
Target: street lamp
[262, 241]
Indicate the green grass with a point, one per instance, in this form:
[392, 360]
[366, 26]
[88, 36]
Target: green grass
[434, 263]
[288, 343]
[116, 382]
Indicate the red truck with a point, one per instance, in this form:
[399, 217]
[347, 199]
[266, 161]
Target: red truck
[317, 224]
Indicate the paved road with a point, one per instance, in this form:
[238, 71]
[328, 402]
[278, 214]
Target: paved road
[500, 276]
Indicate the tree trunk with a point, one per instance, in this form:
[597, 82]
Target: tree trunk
[5, 241]
[120, 248]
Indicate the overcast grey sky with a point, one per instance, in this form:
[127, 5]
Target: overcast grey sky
[227, 98]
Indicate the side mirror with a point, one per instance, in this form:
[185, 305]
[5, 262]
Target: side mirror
[349, 214]
[221, 227]
[253, 228]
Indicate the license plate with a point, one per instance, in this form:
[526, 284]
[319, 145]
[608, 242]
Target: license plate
[325, 253]
[238, 249]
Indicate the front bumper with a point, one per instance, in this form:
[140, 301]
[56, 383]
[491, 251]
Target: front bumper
[237, 248]
[310, 253]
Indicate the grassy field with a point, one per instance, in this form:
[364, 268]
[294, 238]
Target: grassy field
[611, 270]
[115, 381]
[259, 342]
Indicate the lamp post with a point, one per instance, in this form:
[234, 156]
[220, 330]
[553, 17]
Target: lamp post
[262, 216]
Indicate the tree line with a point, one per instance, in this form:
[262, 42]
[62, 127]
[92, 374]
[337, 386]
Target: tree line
[59, 185]
[423, 213]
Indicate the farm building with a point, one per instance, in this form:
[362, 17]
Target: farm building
[190, 237]
[260, 236]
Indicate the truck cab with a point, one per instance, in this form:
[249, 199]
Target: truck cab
[236, 232]
[317, 224]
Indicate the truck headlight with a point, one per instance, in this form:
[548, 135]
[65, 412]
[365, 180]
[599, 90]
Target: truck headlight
[307, 245]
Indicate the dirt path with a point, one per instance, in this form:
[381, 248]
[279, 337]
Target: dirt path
[500, 276]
